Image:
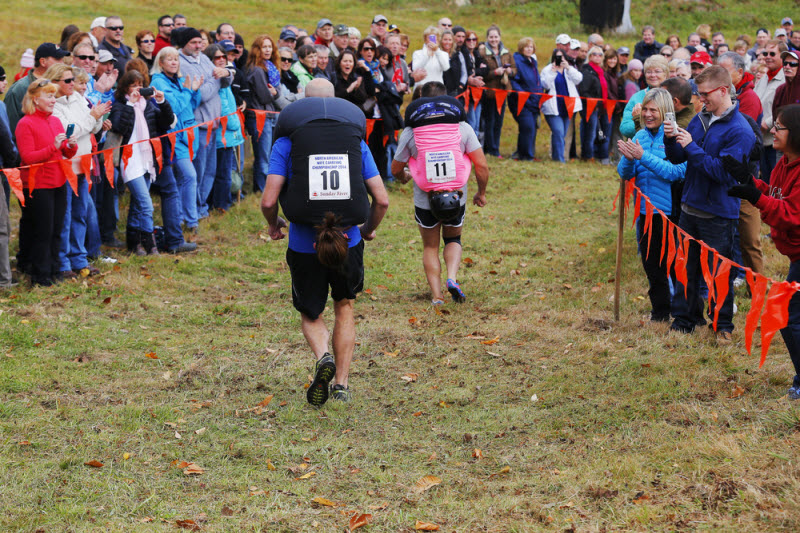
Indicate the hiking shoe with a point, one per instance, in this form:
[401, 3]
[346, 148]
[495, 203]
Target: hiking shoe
[183, 248]
[794, 393]
[324, 371]
[455, 291]
[724, 338]
[341, 393]
[437, 302]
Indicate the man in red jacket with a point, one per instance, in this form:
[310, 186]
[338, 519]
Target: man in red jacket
[165, 26]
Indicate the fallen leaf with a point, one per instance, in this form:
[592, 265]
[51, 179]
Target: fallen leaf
[193, 470]
[94, 463]
[270, 466]
[27, 443]
[226, 511]
[468, 261]
[475, 335]
[641, 498]
[567, 286]
[534, 398]
[491, 341]
[391, 354]
[323, 501]
[177, 435]
[425, 483]
[356, 521]
[306, 476]
[191, 525]
[107, 301]
[477, 453]
[410, 377]
[265, 401]
[146, 519]
[380, 507]
[418, 413]
[737, 391]
[505, 470]
[200, 431]
[255, 491]
[425, 526]
[412, 320]
[151, 355]
[126, 456]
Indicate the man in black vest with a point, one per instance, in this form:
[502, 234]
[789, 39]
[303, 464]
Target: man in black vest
[320, 165]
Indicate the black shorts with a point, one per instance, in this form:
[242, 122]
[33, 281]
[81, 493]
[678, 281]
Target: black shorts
[426, 219]
[310, 280]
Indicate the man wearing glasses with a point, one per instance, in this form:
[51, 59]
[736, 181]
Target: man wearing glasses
[445, 24]
[765, 89]
[707, 212]
[113, 42]
[165, 27]
[378, 29]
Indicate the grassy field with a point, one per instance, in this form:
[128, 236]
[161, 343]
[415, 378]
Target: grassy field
[534, 409]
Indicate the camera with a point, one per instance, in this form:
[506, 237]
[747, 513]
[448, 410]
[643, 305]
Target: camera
[146, 92]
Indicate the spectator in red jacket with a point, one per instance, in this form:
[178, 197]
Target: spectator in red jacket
[789, 92]
[41, 139]
[779, 203]
[165, 26]
[749, 102]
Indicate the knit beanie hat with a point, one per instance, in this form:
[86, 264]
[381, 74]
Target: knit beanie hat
[27, 59]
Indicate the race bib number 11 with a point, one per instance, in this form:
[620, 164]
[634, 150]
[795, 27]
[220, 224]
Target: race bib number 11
[329, 177]
[440, 167]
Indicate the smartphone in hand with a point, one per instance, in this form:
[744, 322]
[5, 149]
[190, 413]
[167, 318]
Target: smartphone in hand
[70, 130]
[432, 39]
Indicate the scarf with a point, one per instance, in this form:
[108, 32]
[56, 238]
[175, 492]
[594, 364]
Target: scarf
[602, 75]
[772, 73]
[142, 151]
[273, 74]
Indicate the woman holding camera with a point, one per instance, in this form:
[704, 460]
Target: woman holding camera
[559, 79]
[430, 59]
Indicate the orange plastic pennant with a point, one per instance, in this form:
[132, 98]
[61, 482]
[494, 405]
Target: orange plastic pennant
[158, 151]
[670, 245]
[476, 93]
[241, 122]
[758, 292]
[209, 130]
[776, 314]
[664, 225]
[172, 137]
[648, 224]
[680, 262]
[707, 273]
[544, 98]
[569, 101]
[108, 162]
[721, 284]
[370, 126]
[190, 142]
[636, 207]
[500, 96]
[223, 125]
[591, 103]
[522, 97]
[85, 163]
[15, 182]
[32, 171]
[127, 153]
[610, 106]
[72, 179]
[261, 118]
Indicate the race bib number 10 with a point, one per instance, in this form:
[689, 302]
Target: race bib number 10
[440, 167]
[329, 177]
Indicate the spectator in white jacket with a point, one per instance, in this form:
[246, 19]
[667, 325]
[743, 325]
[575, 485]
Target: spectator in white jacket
[72, 109]
[431, 59]
[560, 79]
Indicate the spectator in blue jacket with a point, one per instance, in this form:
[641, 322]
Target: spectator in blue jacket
[644, 158]
[526, 79]
[708, 214]
[183, 96]
[221, 190]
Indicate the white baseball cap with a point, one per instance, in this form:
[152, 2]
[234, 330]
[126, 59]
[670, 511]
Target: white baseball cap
[98, 22]
[574, 44]
[562, 39]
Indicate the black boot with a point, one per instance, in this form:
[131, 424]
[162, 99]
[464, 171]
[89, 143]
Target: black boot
[149, 243]
[140, 249]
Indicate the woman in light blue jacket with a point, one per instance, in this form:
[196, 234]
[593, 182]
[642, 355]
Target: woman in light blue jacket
[183, 97]
[221, 190]
[644, 158]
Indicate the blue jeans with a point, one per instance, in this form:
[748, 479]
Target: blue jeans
[717, 233]
[93, 240]
[186, 179]
[526, 141]
[391, 148]
[140, 211]
[106, 204]
[262, 148]
[170, 207]
[558, 127]
[474, 117]
[72, 253]
[205, 163]
[493, 125]
[791, 333]
[221, 192]
[769, 158]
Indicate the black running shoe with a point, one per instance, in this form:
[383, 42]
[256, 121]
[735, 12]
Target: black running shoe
[324, 371]
[340, 393]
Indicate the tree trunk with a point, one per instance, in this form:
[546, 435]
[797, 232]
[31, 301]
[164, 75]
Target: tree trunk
[627, 25]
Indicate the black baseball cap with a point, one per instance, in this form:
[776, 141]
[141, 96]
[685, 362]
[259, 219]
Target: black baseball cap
[50, 50]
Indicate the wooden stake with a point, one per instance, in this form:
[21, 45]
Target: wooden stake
[620, 235]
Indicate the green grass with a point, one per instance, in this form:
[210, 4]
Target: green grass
[633, 429]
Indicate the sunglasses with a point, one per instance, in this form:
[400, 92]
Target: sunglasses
[770, 54]
[66, 80]
[167, 25]
[148, 41]
[84, 58]
[286, 59]
[701, 94]
[115, 28]
[43, 82]
[221, 57]
[667, 55]
[3, 77]
[447, 25]
[365, 49]
[792, 64]
[472, 39]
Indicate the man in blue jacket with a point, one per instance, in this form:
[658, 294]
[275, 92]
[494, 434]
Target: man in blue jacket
[707, 212]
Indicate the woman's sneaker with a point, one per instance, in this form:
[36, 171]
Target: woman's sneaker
[340, 393]
[324, 370]
[455, 291]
